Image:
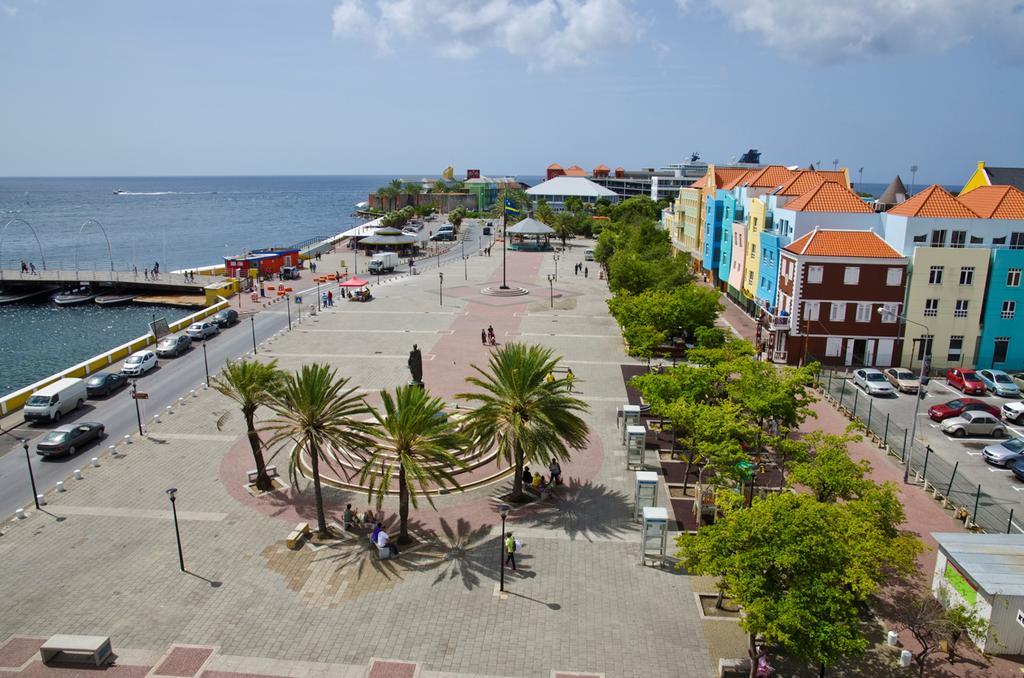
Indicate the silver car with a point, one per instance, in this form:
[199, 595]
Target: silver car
[902, 379]
[1004, 453]
[202, 330]
[974, 423]
[872, 381]
[172, 347]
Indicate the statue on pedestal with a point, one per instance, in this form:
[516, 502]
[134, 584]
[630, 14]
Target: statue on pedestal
[416, 366]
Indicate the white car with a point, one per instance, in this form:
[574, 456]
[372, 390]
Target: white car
[1013, 411]
[872, 381]
[139, 363]
[203, 330]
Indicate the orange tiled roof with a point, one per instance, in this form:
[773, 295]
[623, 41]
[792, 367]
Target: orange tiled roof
[575, 171]
[995, 202]
[846, 244]
[554, 165]
[934, 201]
[828, 196]
[769, 177]
[601, 167]
[726, 174]
[737, 180]
[802, 181]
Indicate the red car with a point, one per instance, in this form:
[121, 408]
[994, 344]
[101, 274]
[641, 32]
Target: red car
[954, 408]
[966, 380]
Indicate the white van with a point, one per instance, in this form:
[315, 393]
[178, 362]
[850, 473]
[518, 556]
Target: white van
[383, 262]
[59, 398]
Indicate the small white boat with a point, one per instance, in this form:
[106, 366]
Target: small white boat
[362, 205]
[114, 299]
[118, 191]
[74, 297]
[14, 296]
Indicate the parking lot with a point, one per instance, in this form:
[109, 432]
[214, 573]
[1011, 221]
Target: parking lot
[891, 416]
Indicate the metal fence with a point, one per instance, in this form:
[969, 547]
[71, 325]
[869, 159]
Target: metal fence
[936, 475]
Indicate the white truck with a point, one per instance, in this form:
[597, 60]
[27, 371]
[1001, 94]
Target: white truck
[384, 262]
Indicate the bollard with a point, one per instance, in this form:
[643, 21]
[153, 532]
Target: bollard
[905, 658]
[95, 461]
[892, 638]
[1009, 523]
[112, 449]
[156, 418]
[194, 394]
[181, 401]
[60, 486]
[78, 474]
[205, 386]
[41, 500]
[19, 514]
[168, 408]
[127, 439]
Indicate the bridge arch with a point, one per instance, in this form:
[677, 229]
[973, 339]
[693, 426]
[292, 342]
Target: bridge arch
[78, 237]
[35, 235]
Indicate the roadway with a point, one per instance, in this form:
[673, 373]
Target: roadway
[174, 378]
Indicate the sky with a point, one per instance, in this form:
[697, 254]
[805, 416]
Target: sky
[268, 87]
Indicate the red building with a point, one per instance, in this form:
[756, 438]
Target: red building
[832, 284]
[267, 262]
[555, 170]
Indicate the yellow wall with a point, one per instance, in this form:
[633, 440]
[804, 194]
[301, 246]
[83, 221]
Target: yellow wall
[221, 289]
[979, 178]
[752, 257]
[693, 208]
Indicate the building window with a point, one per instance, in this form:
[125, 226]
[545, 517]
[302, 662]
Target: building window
[811, 310]
[833, 346]
[1009, 310]
[893, 277]
[1013, 277]
[1001, 240]
[957, 238]
[814, 274]
[837, 311]
[889, 312]
[924, 345]
[939, 238]
[750, 277]
[966, 275]
[935, 275]
[1002, 347]
[961, 308]
[931, 308]
[919, 239]
[851, 275]
[956, 345]
[1017, 241]
[977, 240]
[863, 313]
[753, 251]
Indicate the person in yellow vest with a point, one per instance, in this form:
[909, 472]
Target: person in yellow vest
[551, 377]
[570, 378]
[510, 551]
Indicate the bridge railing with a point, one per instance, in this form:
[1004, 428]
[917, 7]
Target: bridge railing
[72, 276]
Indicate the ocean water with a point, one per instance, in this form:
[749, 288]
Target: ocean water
[179, 222]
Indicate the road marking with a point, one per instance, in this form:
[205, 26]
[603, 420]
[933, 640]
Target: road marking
[574, 336]
[358, 356]
[192, 436]
[1018, 489]
[973, 454]
[115, 512]
[999, 470]
[374, 331]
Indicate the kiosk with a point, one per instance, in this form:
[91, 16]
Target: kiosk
[627, 415]
[654, 536]
[636, 442]
[646, 492]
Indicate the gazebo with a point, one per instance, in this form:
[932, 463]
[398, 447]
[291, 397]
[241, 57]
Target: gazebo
[389, 239]
[530, 228]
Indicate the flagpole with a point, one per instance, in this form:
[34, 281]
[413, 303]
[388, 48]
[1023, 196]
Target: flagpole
[504, 243]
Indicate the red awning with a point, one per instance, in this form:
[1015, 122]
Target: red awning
[354, 282]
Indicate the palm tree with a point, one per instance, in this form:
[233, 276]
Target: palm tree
[439, 187]
[396, 189]
[420, 447]
[316, 411]
[251, 384]
[527, 418]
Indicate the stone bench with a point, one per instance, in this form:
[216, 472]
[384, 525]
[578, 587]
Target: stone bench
[271, 471]
[94, 648]
[296, 536]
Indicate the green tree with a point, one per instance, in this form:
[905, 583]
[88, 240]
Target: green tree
[439, 187]
[412, 188]
[644, 341]
[829, 472]
[545, 214]
[527, 418]
[456, 216]
[420, 449]
[250, 384]
[636, 210]
[316, 411]
[574, 204]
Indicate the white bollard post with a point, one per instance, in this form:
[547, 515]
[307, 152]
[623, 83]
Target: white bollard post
[95, 461]
[156, 418]
[41, 499]
[78, 474]
[127, 439]
[205, 386]
[892, 638]
[60, 486]
[194, 394]
[19, 514]
[168, 408]
[112, 449]
[181, 401]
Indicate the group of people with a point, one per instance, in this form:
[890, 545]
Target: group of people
[487, 337]
[190, 276]
[570, 378]
[581, 267]
[378, 535]
[28, 267]
[541, 485]
[327, 298]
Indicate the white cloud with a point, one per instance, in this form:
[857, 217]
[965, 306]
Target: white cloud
[9, 10]
[828, 31]
[548, 34]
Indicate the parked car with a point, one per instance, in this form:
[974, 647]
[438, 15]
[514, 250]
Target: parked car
[289, 273]
[954, 408]
[443, 235]
[225, 318]
[56, 399]
[1013, 411]
[902, 379]
[999, 383]
[104, 383]
[1018, 469]
[69, 439]
[139, 363]
[1004, 453]
[588, 255]
[1018, 378]
[872, 381]
[487, 229]
[966, 381]
[976, 423]
[172, 347]
[203, 330]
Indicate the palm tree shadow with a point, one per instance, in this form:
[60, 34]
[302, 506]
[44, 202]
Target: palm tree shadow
[463, 552]
[583, 510]
[355, 551]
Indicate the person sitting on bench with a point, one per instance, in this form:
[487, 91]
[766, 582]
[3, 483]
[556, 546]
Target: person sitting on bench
[384, 543]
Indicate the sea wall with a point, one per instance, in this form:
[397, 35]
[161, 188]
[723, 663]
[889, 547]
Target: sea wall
[13, 402]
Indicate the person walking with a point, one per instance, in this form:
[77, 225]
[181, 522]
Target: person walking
[586, 272]
[569, 378]
[510, 551]
[483, 337]
[490, 336]
[330, 298]
[32, 267]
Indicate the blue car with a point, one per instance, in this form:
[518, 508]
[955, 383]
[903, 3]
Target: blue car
[999, 383]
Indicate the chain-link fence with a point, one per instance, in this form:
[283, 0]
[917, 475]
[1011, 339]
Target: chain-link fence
[968, 501]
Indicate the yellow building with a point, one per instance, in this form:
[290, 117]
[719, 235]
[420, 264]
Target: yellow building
[945, 294]
[995, 176]
[692, 200]
[756, 214]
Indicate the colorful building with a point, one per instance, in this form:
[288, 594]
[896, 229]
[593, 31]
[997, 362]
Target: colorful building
[994, 176]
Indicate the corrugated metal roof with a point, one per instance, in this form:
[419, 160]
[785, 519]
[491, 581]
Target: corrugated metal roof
[995, 562]
[563, 185]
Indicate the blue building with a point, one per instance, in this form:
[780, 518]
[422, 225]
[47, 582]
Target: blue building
[998, 347]
[768, 272]
[725, 242]
[713, 217]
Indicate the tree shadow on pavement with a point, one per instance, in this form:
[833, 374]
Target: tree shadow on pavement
[583, 510]
[353, 550]
[460, 552]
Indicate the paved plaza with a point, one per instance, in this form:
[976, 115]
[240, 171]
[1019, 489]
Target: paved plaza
[101, 558]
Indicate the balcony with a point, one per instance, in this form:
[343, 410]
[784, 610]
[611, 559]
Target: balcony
[779, 357]
[780, 323]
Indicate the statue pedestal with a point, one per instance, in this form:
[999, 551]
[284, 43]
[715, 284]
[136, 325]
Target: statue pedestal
[417, 384]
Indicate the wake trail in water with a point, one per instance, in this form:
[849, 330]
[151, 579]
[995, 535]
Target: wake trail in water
[166, 193]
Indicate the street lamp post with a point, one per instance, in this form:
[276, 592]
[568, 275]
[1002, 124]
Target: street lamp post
[922, 382]
[173, 494]
[551, 289]
[138, 412]
[556, 266]
[503, 510]
[465, 267]
[440, 288]
[288, 305]
[28, 460]
[252, 323]
[206, 364]
[913, 178]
